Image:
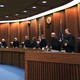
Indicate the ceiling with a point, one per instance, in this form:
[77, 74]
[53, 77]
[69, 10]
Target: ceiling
[14, 9]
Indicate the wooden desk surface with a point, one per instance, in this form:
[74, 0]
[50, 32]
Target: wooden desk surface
[70, 58]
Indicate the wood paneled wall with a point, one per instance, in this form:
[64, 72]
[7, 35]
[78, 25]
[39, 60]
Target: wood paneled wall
[33, 29]
[24, 30]
[59, 20]
[9, 31]
[4, 31]
[70, 18]
[49, 27]
[79, 17]
[14, 30]
[41, 25]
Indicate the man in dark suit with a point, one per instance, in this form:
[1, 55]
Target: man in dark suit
[3, 43]
[15, 43]
[69, 41]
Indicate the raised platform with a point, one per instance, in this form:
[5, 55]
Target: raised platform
[43, 65]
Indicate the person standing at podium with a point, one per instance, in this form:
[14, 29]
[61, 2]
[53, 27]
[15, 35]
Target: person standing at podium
[69, 41]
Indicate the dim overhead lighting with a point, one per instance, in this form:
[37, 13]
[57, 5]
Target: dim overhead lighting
[34, 7]
[24, 11]
[44, 2]
[16, 14]
[1, 6]
[6, 16]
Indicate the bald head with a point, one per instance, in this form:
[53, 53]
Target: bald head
[53, 34]
[15, 39]
[26, 37]
[3, 40]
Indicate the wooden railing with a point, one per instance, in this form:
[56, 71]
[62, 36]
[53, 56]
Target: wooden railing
[43, 65]
[52, 66]
[12, 56]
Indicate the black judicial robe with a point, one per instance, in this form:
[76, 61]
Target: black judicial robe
[34, 44]
[27, 43]
[15, 44]
[43, 43]
[70, 40]
[55, 43]
[4, 44]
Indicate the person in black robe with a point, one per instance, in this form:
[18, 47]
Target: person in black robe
[43, 42]
[69, 41]
[54, 42]
[15, 43]
[34, 43]
[27, 42]
[3, 43]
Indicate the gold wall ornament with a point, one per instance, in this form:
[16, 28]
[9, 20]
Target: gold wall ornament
[48, 20]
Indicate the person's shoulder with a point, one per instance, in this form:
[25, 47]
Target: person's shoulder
[72, 35]
[55, 38]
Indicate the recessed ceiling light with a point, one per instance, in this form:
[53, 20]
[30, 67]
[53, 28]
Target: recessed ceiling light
[34, 7]
[44, 2]
[6, 16]
[1, 6]
[16, 14]
[24, 11]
